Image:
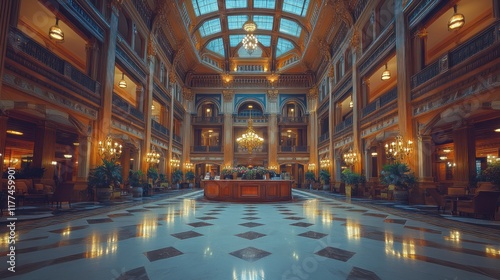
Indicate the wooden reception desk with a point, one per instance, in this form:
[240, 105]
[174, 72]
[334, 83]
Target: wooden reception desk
[248, 190]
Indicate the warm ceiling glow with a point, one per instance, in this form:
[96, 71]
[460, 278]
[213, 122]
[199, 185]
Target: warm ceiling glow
[250, 106]
[68, 156]
[289, 130]
[14, 132]
[210, 130]
[497, 130]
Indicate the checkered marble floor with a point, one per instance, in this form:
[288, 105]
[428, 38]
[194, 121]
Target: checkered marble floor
[311, 237]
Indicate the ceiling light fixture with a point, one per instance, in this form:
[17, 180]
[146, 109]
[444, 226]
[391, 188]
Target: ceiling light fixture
[386, 75]
[122, 83]
[56, 33]
[456, 21]
[250, 139]
[250, 41]
[14, 132]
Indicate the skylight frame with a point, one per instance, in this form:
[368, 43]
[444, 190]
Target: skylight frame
[202, 7]
[235, 22]
[290, 27]
[217, 46]
[264, 4]
[210, 27]
[296, 7]
[283, 46]
[264, 22]
[236, 4]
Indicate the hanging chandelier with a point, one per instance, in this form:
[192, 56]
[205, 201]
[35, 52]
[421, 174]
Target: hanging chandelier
[153, 157]
[250, 139]
[250, 42]
[398, 150]
[109, 151]
[350, 157]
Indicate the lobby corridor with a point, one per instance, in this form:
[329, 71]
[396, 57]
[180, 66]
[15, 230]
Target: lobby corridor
[312, 237]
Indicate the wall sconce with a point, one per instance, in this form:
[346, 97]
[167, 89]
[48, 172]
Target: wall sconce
[68, 156]
[54, 162]
[189, 165]
[456, 21]
[351, 104]
[122, 83]
[108, 151]
[273, 167]
[386, 75]
[175, 163]
[324, 163]
[56, 33]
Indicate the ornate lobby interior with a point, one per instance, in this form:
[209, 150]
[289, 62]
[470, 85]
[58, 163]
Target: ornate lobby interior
[293, 86]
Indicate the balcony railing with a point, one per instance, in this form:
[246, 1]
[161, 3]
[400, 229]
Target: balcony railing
[324, 137]
[122, 104]
[256, 119]
[457, 55]
[294, 149]
[159, 128]
[292, 120]
[344, 125]
[206, 149]
[380, 102]
[207, 120]
[177, 138]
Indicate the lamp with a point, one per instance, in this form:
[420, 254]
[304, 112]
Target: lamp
[174, 162]
[386, 75]
[109, 151]
[311, 166]
[351, 104]
[56, 33]
[189, 165]
[250, 139]
[456, 21]
[398, 149]
[350, 157]
[153, 157]
[122, 83]
[324, 163]
[250, 41]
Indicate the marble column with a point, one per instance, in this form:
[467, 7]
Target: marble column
[171, 128]
[147, 103]
[45, 148]
[425, 162]
[357, 91]
[273, 141]
[228, 137]
[6, 9]
[465, 155]
[3, 136]
[312, 128]
[108, 79]
[85, 143]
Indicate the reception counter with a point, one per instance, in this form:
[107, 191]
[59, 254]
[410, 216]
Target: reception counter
[248, 190]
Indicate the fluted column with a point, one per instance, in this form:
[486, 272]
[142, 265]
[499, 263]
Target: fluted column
[228, 137]
[356, 100]
[187, 130]
[148, 100]
[45, 148]
[312, 137]
[424, 150]
[6, 9]
[465, 155]
[85, 143]
[272, 127]
[108, 79]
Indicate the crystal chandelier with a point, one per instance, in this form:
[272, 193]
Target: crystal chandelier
[250, 139]
[153, 158]
[398, 149]
[350, 157]
[250, 41]
[109, 151]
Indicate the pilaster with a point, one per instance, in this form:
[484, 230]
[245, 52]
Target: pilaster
[424, 150]
[228, 137]
[3, 136]
[465, 155]
[6, 12]
[45, 148]
[85, 143]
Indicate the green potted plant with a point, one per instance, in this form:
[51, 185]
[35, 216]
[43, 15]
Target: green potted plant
[104, 178]
[399, 178]
[310, 178]
[491, 174]
[162, 179]
[227, 173]
[324, 176]
[177, 177]
[152, 175]
[190, 177]
[136, 182]
[352, 181]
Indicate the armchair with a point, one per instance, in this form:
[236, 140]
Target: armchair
[439, 199]
[484, 203]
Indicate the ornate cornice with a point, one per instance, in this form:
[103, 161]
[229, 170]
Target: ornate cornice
[151, 48]
[312, 93]
[187, 94]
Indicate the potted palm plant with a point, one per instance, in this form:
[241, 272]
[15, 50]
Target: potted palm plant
[190, 177]
[399, 178]
[136, 182]
[310, 178]
[491, 174]
[352, 181]
[324, 176]
[177, 177]
[104, 178]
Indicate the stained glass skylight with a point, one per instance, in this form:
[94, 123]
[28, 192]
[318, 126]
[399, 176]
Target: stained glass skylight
[264, 22]
[265, 4]
[234, 4]
[265, 40]
[217, 46]
[202, 7]
[236, 22]
[297, 7]
[210, 27]
[234, 40]
[283, 46]
[290, 27]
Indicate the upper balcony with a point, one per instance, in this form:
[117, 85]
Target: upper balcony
[294, 149]
[200, 120]
[293, 120]
[237, 120]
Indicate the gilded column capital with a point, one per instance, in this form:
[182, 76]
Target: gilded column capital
[324, 49]
[227, 95]
[272, 94]
[355, 40]
[187, 94]
[331, 71]
[313, 93]
[116, 6]
[172, 77]
[151, 48]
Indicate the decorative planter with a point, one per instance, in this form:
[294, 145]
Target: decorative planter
[103, 194]
[137, 191]
[400, 195]
[348, 190]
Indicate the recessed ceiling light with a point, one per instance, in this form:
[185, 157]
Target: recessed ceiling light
[497, 130]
